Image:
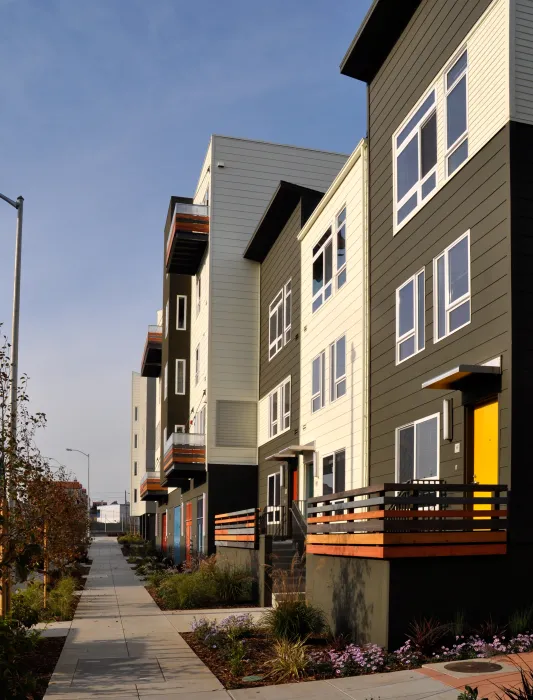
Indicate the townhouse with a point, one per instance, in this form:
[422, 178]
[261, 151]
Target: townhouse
[449, 135]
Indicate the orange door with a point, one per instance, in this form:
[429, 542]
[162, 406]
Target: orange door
[295, 485]
[164, 532]
[188, 531]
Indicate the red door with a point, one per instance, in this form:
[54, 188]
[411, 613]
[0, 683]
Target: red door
[188, 531]
[164, 532]
[295, 485]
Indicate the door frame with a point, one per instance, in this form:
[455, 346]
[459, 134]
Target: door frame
[468, 467]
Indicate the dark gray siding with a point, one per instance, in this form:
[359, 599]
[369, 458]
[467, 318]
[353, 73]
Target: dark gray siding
[281, 265]
[477, 198]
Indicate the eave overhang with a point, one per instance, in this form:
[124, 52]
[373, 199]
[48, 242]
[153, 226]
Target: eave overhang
[381, 28]
[457, 378]
[153, 352]
[291, 452]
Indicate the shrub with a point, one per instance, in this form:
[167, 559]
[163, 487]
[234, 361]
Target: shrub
[293, 620]
[16, 681]
[23, 611]
[235, 653]
[233, 584]
[425, 634]
[524, 692]
[353, 661]
[290, 661]
[186, 591]
[61, 598]
[228, 630]
[130, 538]
[469, 694]
[520, 621]
[156, 578]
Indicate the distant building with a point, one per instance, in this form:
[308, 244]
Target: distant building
[113, 513]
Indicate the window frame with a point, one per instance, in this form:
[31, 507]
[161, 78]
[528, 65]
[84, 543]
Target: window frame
[283, 418]
[178, 361]
[197, 365]
[135, 413]
[397, 448]
[198, 294]
[321, 393]
[343, 267]
[287, 327]
[179, 298]
[177, 429]
[334, 455]
[274, 509]
[450, 150]
[398, 150]
[416, 330]
[335, 381]
[167, 317]
[329, 239]
[135, 468]
[135, 495]
[278, 308]
[165, 382]
[450, 306]
[135, 441]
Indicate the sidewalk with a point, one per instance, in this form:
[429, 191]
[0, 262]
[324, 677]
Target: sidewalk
[121, 646]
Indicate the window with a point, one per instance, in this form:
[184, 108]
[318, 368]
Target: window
[202, 420]
[166, 319]
[341, 248]
[135, 495]
[136, 413]
[200, 524]
[135, 469]
[273, 497]
[334, 473]
[179, 428]
[197, 365]
[279, 320]
[416, 159]
[181, 313]
[338, 368]
[180, 377]
[417, 450]
[410, 317]
[451, 274]
[286, 405]
[157, 524]
[322, 270]
[198, 294]
[456, 114]
[279, 409]
[318, 398]
[165, 379]
[135, 440]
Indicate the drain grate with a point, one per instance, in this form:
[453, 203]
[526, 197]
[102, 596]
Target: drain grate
[473, 667]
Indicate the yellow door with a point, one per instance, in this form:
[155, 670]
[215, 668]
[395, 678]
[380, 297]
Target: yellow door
[486, 447]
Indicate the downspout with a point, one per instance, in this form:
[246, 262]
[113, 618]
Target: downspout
[366, 320]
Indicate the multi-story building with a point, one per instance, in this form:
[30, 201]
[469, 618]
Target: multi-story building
[449, 135]
[213, 464]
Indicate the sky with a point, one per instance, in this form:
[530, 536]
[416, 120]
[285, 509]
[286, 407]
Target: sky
[106, 109]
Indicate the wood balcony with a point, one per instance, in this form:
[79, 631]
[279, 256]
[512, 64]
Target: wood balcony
[392, 521]
[184, 458]
[187, 239]
[153, 352]
[151, 488]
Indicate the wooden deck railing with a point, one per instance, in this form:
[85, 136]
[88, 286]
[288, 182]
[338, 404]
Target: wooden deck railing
[410, 520]
[237, 529]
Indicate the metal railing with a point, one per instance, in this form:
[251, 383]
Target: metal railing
[185, 440]
[299, 518]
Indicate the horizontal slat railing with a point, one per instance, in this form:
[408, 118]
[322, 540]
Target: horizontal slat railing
[409, 520]
[238, 529]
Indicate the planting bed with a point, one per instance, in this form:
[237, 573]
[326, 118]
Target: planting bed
[42, 660]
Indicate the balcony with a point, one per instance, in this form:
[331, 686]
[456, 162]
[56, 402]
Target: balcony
[187, 239]
[184, 458]
[151, 489]
[395, 521]
[153, 350]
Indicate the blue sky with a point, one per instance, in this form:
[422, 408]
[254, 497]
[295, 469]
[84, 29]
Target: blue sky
[106, 111]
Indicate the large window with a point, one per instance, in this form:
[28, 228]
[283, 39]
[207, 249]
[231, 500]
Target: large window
[273, 497]
[338, 368]
[341, 248]
[451, 274]
[417, 450]
[197, 365]
[456, 114]
[318, 381]
[322, 270]
[334, 473]
[416, 159]
[180, 376]
[181, 313]
[410, 317]
[279, 320]
[279, 409]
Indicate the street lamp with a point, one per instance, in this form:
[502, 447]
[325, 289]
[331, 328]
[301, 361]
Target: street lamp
[70, 449]
[19, 206]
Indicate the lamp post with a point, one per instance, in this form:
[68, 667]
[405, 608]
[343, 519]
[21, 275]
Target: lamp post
[70, 449]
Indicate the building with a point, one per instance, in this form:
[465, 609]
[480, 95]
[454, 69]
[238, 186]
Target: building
[449, 204]
[113, 513]
[210, 346]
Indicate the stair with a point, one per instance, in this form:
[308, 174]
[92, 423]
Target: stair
[288, 561]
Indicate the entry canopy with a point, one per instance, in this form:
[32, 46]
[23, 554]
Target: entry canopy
[290, 452]
[454, 378]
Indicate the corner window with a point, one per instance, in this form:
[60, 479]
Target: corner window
[322, 270]
[416, 159]
[135, 495]
[417, 450]
[136, 413]
[135, 469]
[334, 473]
[338, 368]
[181, 313]
[180, 376]
[341, 248]
[456, 114]
[280, 320]
[410, 317]
[451, 273]
[279, 409]
[197, 365]
[273, 497]
[135, 441]
[318, 390]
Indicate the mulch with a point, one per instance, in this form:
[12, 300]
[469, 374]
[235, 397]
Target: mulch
[42, 660]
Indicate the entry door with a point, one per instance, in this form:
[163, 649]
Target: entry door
[164, 532]
[486, 446]
[177, 534]
[295, 495]
[188, 531]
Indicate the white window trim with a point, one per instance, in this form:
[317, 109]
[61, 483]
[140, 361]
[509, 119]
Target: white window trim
[334, 381]
[447, 91]
[448, 307]
[181, 393]
[334, 227]
[287, 327]
[165, 381]
[277, 344]
[342, 268]
[167, 313]
[322, 253]
[279, 391]
[414, 423]
[334, 455]
[276, 508]
[178, 298]
[322, 382]
[416, 330]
